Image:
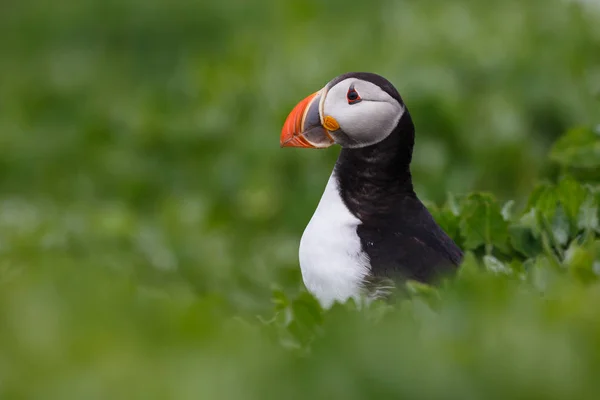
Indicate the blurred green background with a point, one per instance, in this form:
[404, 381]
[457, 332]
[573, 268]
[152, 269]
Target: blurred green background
[139, 154]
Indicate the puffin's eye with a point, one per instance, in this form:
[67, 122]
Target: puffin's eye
[352, 96]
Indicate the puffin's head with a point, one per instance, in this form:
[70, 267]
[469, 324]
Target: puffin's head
[353, 110]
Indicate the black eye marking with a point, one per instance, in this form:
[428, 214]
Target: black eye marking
[353, 96]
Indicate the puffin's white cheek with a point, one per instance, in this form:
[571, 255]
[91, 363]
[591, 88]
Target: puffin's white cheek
[371, 122]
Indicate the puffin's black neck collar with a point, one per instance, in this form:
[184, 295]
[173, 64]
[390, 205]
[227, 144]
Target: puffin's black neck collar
[372, 179]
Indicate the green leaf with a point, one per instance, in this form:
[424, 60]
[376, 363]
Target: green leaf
[279, 299]
[530, 221]
[571, 194]
[427, 293]
[447, 216]
[447, 220]
[555, 210]
[588, 215]
[539, 191]
[518, 268]
[307, 309]
[351, 304]
[452, 204]
[542, 272]
[507, 210]
[469, 266]
[560, 226]
[580, 262]
[307, 316]
[545, 200]
[523, 240]
[579, 148]
[482, 223]
[495, 266]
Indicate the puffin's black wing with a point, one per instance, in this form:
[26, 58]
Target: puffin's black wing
[409, 245]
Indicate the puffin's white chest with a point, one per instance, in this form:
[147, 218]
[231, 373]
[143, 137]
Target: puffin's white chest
[331, 259]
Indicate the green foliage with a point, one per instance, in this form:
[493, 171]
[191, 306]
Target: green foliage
[579, 148]
[149, 221]
[482, 223]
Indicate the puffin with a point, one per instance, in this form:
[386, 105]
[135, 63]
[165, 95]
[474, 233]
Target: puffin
[369, 231]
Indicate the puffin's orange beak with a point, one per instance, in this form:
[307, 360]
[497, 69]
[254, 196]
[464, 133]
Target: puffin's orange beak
[302, 127]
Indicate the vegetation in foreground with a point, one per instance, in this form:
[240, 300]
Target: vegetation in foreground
[519, 321]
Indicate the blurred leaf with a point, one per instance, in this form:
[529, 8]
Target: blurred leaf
[279, 299]
[545, 200]
[555, 209]
[482, 222]
[495, 266]
[306, 317]
[307, 310]
[469, 266]
[447, 220]
[560, 226]
[507, 210]
[427, 293]
[524, 241]
[588, 215]
[542, 273]
[572, 195]
[580, 262]
[579, 147]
